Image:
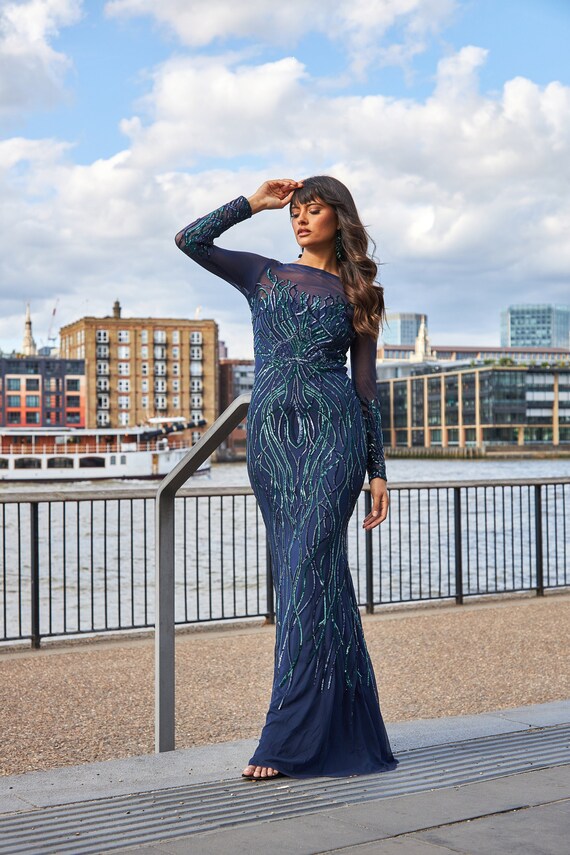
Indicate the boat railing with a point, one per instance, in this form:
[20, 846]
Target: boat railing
[71, 449]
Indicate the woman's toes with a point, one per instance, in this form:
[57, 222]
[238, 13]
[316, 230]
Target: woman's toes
[260, 772]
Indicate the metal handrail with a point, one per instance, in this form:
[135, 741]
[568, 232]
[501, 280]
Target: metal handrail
[164, 594]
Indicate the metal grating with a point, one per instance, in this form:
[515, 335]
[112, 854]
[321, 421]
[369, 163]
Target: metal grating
[133, 820]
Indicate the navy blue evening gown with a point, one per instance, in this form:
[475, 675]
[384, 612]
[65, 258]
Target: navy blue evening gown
[312, 435]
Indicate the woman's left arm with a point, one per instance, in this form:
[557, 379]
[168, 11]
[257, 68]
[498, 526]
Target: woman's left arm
[363, 370]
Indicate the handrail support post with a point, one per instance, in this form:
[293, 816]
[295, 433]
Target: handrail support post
[368, 556]
[35, 628]
[164, 657]
[458, 546]
[538, 540]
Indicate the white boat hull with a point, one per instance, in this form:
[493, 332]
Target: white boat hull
[118, 464]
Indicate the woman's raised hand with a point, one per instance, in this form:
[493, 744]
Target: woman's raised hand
[273, 194]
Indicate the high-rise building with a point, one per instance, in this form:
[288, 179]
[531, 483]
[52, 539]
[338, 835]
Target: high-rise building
[402, 327]
[37, 391]
[535, 325]
[141, 368]
[236, 378]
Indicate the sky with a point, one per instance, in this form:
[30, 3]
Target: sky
[123, 121]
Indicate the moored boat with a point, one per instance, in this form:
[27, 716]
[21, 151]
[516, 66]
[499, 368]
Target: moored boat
[70, 454]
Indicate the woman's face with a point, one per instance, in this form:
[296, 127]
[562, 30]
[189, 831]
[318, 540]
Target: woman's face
[314, 224]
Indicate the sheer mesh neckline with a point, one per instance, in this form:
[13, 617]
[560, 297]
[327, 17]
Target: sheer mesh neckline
[308, 267]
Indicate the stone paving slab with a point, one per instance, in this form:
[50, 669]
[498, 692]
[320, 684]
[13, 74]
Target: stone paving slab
[130, 775]
[544, 829]
[440, 731]
[226, 760]
[456, 819]
[439, 820]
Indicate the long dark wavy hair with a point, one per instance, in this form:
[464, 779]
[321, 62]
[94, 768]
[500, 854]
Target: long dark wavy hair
[356, 266]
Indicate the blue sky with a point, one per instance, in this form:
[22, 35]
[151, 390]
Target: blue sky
[449, 120]
[111, 58]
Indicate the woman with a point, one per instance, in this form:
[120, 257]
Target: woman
[312, 434]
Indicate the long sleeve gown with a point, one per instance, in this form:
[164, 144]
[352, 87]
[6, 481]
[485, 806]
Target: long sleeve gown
[313, 433]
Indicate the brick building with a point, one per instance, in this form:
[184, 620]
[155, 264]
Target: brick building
[38, 391]
[141, 368]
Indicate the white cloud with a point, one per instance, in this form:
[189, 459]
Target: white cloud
[465, 194]
[31, 71]
[359, 27]
[198, 23]
[215, 108]
[362, 27]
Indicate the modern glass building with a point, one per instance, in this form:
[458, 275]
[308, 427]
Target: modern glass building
[535, 325]
[520, 355]
[477, 406]
[236, 378]
[402, 327]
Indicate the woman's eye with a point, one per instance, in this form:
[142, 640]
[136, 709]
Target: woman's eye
[315, 211]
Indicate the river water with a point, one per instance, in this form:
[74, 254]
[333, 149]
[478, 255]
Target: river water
[399, 471]
[412, 470]
[96, 558]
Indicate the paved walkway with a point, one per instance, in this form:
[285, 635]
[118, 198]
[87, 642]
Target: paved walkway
[492, 784]
[67, 705]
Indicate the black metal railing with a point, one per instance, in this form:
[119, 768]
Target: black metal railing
[74, 563]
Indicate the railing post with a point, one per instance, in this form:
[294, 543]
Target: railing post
[164, 624]
[164, 677]
[458, 546]
[368, 557]
[269, 590]
[35, 576]
[538, 540]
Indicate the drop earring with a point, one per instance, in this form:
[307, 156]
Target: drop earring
[338, 248]
[301, 253]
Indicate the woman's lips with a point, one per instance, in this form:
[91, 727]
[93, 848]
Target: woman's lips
[302, 233]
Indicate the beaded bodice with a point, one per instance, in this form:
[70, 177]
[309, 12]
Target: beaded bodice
[302, 321]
